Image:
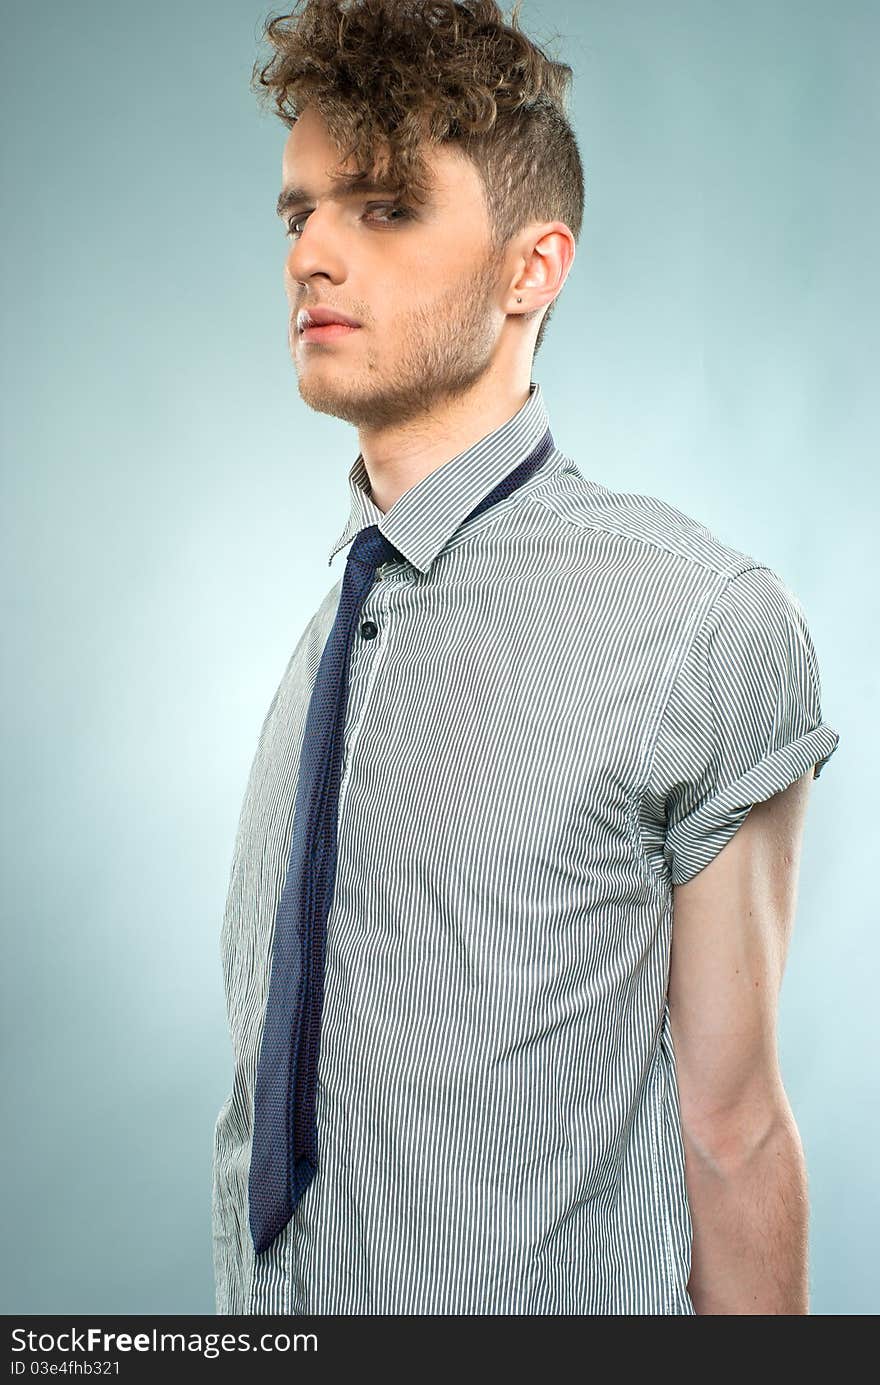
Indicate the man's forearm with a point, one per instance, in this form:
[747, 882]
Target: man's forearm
[750, 1214]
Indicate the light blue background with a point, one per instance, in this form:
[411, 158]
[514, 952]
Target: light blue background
[169, 504]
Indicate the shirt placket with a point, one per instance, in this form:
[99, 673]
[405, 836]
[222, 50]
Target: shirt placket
[376, 608]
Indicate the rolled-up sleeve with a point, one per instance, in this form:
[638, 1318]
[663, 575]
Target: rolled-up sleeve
[743, 720]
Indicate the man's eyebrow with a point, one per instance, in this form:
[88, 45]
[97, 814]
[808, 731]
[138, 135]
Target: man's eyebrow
[345, 187]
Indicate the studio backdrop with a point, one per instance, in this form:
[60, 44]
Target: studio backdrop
[169, 502]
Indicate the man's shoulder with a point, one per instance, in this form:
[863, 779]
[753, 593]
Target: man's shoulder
[642, 521]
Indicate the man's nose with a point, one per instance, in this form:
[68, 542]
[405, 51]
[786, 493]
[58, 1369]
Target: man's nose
[317, 249]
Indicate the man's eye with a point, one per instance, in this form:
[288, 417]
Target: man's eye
[388, 207]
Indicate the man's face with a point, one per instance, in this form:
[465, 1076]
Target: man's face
[421, 283]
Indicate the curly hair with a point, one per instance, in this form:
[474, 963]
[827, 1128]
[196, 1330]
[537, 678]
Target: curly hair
[387, 76]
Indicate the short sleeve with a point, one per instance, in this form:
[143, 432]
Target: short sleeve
[742, 722]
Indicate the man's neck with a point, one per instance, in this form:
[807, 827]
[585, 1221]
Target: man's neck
[397, 458]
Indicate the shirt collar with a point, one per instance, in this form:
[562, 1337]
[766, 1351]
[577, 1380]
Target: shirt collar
[424, 518]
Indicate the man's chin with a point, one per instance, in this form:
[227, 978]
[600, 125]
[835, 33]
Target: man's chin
[332, 402]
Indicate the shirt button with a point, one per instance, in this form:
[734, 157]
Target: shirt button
[369, 630]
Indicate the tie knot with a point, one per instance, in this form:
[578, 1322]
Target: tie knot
[372, 548]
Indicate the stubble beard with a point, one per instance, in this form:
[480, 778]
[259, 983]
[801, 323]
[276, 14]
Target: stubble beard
[443, 349]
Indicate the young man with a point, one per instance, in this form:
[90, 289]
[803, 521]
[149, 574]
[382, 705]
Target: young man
[477, 1068]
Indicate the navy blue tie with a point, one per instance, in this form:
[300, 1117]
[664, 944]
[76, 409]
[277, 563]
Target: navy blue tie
[284, 1155]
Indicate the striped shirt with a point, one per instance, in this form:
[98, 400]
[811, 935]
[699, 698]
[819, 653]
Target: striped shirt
[571, 703]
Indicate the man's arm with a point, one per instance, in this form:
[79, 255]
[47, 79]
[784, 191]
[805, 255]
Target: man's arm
[744, 1163]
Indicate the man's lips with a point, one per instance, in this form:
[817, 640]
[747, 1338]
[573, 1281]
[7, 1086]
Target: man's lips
[321, 315]
[329, 331]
